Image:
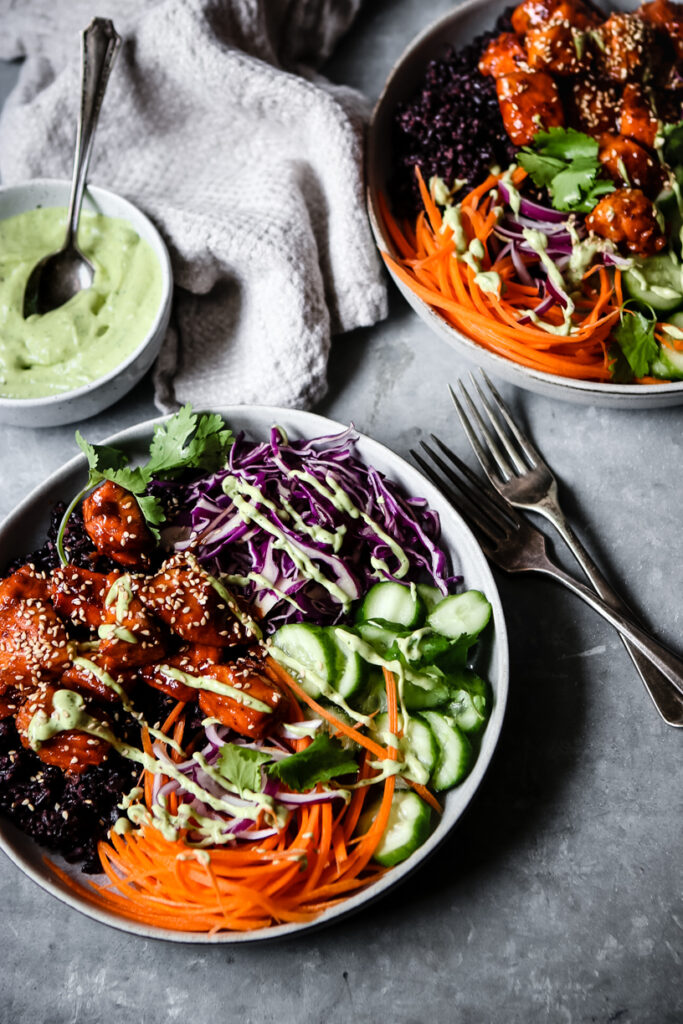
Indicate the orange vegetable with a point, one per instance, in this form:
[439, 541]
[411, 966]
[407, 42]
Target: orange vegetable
[426, 264]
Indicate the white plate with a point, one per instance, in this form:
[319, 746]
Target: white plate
[457, 29]
[25, 529]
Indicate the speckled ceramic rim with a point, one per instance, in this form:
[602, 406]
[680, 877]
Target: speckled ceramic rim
[93, 198]
[26, 526]
[457, 28]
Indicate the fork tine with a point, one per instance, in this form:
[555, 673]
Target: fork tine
[481, 453]
[532, 454]
[515, 457]
[481, 487]
[483, 536]
[505, 468]
[484, 506]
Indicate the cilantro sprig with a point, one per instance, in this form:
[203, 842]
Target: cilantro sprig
[566, 163]
[635, 335]
[188, 440]
[242, 767]
[322, 760]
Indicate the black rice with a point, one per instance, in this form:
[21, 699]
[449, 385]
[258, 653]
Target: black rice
[452, 126]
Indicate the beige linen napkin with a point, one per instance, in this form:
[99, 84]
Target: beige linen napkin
[218, 126]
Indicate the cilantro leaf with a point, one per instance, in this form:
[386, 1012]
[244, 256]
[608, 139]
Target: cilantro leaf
[566, 144]
[566, 163]
[541, 169]
[324, 759]
[188, 442]
[635, 334]
[242, 766]
[569, 186]
[591, 198]
[107, 463]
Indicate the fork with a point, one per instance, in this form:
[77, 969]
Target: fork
[511, 542]
[520, 474]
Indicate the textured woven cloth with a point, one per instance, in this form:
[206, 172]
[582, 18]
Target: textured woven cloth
[218, 126]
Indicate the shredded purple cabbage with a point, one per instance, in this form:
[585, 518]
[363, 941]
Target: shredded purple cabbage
[346, 550]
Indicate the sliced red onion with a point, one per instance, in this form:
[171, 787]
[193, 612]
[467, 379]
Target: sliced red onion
[314, 723]
[262, 833]
[301, 799]
[520, 268]
[542, 308]
[528, 208]
[557, 293]
[613, 259]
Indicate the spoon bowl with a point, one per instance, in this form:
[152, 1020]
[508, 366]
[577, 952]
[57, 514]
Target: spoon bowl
[56, 279]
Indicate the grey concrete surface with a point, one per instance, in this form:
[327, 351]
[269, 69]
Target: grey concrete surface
[559, 895]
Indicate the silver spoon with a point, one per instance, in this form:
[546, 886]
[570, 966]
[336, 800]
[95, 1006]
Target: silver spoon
[62, 274]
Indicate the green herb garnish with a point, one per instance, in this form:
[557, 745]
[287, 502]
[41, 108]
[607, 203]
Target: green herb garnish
[242, 767]
[635, 334]
[186, 441]
[566, 163]
[322, 760]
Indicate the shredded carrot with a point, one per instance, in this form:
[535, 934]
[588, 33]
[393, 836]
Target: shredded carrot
[284, 677]
[424, 260]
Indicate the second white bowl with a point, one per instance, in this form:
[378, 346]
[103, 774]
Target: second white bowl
[90, 399]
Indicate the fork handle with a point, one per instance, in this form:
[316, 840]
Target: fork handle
[665, 660]
[666, 700]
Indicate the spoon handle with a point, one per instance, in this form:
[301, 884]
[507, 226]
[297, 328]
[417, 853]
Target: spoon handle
[100, 45]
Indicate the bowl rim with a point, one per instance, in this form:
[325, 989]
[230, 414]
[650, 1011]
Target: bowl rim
[509, 369]
[305, 424]
[130, 212]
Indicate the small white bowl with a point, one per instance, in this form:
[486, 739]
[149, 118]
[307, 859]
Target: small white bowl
[90, 399]
[457, 29]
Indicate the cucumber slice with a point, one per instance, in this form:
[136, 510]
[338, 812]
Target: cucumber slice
[393, 602]
[314, 651]
[379, 636]
[417, 745]
[433, 694]
[470, 701]
[351, 671]
[455, 751]
[669, 363]
[430, 595]
[657, 281]
[461, 615]
[374, 696]
[407, 829]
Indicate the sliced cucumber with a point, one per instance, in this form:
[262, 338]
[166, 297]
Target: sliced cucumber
[455, 751]
[417, 746]
[351, 671]
[470, 701]
[434, 692]
[461, 615]
[374, 695]
[423, 648]
[407, 829]
[669, 363]
[430, 595]
[393, 602]
[657, 281]
[379, 636]
[313, 654]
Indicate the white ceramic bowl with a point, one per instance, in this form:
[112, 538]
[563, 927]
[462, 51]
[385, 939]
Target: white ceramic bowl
[25, 530]
[457, 29]
[91, 398]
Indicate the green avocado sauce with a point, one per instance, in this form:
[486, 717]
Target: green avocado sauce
[95, 331]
